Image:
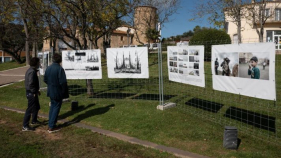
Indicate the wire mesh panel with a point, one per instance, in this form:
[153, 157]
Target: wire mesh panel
[254, 116]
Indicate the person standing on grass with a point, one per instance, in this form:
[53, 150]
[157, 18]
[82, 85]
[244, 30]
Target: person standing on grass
[57, 90]
[32, 93]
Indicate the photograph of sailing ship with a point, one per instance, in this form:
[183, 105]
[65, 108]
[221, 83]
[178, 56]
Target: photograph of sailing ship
[69, 57]
[92, 57]
[127, 64]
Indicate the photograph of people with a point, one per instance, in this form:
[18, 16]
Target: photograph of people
[254, 65]
[226, 64]
[253, 70]
[216, 66]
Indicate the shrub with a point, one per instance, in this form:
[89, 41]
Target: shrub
[209, 37]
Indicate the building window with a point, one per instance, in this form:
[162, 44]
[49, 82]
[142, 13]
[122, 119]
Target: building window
[266, 13]
[121, 38]
[277, 14]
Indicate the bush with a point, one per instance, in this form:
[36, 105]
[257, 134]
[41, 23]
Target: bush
[209, 37]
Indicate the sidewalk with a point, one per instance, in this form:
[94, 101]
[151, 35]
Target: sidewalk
[171, 150]
[12, 75]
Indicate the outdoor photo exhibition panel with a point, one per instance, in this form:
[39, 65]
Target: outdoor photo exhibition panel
[127, 62]
[44, 62]
[82, 64]
[186, 64]
[246, 69]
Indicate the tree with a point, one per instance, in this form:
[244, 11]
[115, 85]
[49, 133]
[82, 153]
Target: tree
[220, 10]
[259, 14]
[12, 40]
[209, 37]
[84, 22]
[152, 34]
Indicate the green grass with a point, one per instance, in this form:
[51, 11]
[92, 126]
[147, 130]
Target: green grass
[10, 65]
[184, 127]
[69, 142]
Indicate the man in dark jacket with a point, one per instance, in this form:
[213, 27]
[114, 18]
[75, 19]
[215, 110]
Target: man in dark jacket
[32, 93]
[57, 90]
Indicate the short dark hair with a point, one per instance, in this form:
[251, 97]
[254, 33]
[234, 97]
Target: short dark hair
[57, 58]
[254, 58]
[34, 61]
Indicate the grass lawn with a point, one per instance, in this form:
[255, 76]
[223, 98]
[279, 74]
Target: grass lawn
[10, 65]
[128, 106]
[69, 142]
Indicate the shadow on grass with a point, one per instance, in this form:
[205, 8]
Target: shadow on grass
[113, 95]
[75, 90]
[90, 113]
[252, 118]
[153, 97]
[79, 109]
[204, 105]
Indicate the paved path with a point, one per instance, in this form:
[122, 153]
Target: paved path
[176, 152]
[12, 75]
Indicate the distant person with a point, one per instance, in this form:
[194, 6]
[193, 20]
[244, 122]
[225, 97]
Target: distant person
[32, 93]
[225, 67]
[263, 65]
[55, 79]
[216, 66]
[235, 70]
[253, 70]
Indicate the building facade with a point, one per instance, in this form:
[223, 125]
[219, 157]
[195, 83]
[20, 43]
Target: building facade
[144, 18]
[272, 26]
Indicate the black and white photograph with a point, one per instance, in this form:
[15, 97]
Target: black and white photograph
[193, 52]
[189, 59]
[254, 65]
[196, 66]
[196, 59]
[226, 64]
[171, 63]
[183, 71]
[69, 56]
[82, 64]
[44, 62]
[182, 65]
[191, 65]
[185, 52]
[194, 73]
[128, 62]
[92, 57]
[171, 58]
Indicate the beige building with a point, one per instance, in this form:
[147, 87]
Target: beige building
[272, 27]
[144, 17]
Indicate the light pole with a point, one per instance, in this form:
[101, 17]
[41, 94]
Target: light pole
[128, 32]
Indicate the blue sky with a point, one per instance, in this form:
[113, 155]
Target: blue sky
[179, 22]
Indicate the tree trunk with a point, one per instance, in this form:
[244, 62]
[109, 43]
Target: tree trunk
[34, 49]
[27, 55]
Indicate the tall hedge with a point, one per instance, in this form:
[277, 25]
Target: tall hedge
[209, 37]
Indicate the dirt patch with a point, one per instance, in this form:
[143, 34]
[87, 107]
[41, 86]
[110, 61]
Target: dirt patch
[49, 136]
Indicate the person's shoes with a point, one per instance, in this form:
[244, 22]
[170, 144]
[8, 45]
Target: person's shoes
[36, 123]
[27, 128]
[52, 130]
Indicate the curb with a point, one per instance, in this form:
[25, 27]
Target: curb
[132, 140]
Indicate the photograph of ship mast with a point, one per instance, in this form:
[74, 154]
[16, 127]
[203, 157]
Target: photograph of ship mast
[127, 64]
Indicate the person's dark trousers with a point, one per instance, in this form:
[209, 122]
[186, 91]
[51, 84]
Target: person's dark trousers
[32, 109]
[54, 112]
